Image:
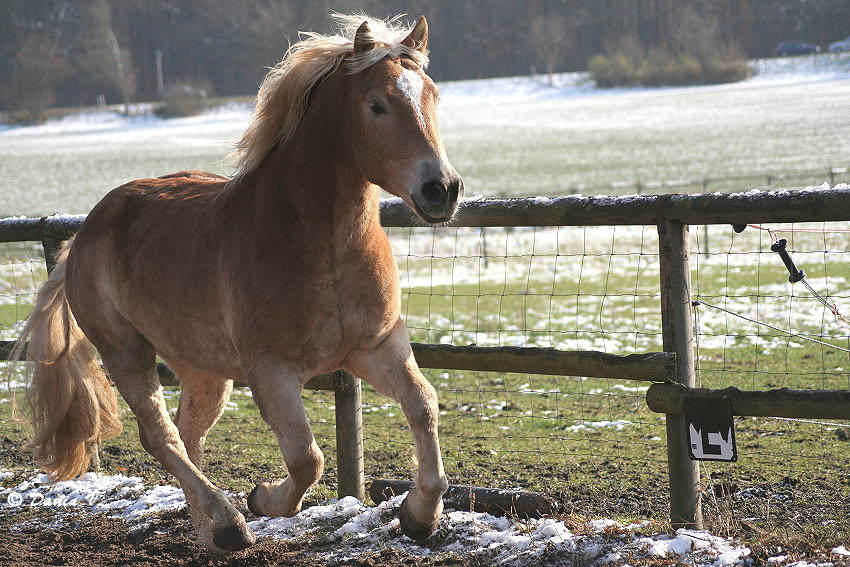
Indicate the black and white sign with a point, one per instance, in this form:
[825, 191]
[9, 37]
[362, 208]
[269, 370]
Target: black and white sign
[711, 429]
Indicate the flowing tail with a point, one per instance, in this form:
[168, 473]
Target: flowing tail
[69, 401]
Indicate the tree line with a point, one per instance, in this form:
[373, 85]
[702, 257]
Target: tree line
[67, 52]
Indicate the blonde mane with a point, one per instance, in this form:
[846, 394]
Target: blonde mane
[282, 98]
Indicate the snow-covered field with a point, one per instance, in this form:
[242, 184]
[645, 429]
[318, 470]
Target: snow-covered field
[509, 136]
[342, 529]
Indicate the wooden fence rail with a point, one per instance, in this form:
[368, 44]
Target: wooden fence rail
[650, 366]
[785, 205]
[780, 402]
[673, 369]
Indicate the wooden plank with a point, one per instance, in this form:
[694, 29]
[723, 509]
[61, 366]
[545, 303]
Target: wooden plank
[789, 205]
[540, 211]
[58, 227]
[465, 498]
[6, 349]
[677, 333]
[781, 402]
[652, 366]
[330, 381]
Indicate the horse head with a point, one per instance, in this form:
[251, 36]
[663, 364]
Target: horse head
[397, 142]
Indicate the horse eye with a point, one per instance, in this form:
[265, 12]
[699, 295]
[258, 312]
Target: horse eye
[377, 108]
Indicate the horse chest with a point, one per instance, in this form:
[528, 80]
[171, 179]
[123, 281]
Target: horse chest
[329, 307]
[367, 303]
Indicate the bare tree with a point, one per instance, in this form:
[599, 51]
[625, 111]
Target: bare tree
[549, 40]
[99, 59]
[126, 80]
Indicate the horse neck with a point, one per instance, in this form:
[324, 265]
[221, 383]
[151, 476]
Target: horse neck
[310, 181]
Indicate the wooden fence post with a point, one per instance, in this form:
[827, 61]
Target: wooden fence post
[349, 437]
[51, 249]
[677, 325]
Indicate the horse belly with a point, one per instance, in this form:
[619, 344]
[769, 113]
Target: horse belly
[199, 349]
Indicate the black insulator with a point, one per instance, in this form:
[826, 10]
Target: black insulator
[779, 248]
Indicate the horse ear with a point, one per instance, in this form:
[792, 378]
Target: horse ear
[363, 38]
[418, 37]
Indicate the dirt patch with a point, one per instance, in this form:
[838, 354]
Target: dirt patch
[168, 540]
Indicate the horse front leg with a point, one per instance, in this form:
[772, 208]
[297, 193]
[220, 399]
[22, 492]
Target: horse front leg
[277, 392]
[392, 370]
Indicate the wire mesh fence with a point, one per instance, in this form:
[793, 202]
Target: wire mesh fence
[758, 331]
[591, 288]
[590, 442]
[597, 288]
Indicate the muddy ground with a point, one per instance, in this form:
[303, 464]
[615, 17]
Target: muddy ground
[84, 541]
[796, 517]
[106, 542]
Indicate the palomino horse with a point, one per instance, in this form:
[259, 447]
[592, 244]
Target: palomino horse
[271, 277]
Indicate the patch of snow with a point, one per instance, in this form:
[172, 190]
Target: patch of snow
[600, 525]
[792, 70]
[767, 72]
[616, 425]
[141, 117]
[345, 528]
[121, 496]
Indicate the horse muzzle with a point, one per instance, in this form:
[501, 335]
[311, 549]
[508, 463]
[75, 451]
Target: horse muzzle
[436, 200]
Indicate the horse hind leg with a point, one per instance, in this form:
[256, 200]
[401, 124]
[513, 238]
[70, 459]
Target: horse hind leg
[279, 400]
[133, 370]
[202, 401]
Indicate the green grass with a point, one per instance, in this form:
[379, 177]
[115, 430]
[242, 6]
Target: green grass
[21, 272]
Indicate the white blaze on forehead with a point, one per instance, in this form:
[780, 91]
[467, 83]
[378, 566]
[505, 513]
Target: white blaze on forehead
[411, 84]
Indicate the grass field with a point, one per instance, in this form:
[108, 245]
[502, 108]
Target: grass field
[591, 443]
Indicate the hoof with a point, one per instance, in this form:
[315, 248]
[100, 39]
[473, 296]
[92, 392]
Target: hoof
[251, 504]
[416, 531]
[233, 538]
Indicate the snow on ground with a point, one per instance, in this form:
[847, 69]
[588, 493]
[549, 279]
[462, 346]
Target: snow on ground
[772, 71]
[141, 116]
[347, 527]
[790, 70]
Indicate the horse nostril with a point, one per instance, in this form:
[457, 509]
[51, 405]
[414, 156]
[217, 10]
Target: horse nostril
[434, 192]
[455, 188]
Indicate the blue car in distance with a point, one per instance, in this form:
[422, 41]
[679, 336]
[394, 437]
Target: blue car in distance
[796, 47]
